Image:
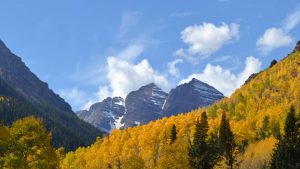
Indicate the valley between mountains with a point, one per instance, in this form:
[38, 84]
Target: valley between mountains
[192, 126]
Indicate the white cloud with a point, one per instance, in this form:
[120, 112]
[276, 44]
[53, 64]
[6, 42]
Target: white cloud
[292, 20]
[172, 69]
[74, 96]
[87, 105]
[279, 37]
[224, 80]
[125, 77]
[131, 52]
[103, 93]
[207, 38]
[271, 39]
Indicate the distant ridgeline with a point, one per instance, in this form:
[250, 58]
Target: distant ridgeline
[23, 94]
[149, 103]
[258, 115]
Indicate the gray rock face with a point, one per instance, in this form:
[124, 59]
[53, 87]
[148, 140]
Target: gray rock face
[105, 115]
[17, 75]
[189, 96]
[144, 105]
[150, 103]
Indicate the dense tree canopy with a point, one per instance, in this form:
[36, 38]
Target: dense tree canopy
[256, 114]
[27, 145]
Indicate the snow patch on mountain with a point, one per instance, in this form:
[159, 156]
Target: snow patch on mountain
[118, 122]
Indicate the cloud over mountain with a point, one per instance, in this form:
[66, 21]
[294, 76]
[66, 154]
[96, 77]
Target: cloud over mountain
[224, 80]
[125, 77]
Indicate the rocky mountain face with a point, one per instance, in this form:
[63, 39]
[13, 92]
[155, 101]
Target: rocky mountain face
[105, 115]
[26, 95]
[17, 75]
[189, 96]
[149, 103]
[144, 105]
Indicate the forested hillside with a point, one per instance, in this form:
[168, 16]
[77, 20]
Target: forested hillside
[22, 94]
[67, 130]
[257, 113]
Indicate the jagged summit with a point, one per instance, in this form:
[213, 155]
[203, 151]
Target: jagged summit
[189, 96]
[149, 103]
[144, 105]
[204, 87]
[105, 115]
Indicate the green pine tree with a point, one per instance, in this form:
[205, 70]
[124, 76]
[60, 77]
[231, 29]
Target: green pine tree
[227, 142]
[201, 151]
[173, 136]
[287, 150]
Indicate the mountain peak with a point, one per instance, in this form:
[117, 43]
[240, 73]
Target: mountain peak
[150, 85]
[17, 75]
[195, 80]
[189, 96]
[105, 115]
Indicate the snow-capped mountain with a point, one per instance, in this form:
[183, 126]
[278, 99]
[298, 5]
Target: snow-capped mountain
[149, 103]
[144, 105]
[105, 115]
[189, 96]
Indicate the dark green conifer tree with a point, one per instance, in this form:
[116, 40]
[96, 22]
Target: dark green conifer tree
[201, 151]
[173, 136]
[227, 143]
[287, 151]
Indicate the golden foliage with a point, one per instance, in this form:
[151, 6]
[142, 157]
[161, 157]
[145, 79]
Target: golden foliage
[257, 110]
[258, 154]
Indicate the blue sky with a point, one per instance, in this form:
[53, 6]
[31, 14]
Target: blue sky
[87, 50]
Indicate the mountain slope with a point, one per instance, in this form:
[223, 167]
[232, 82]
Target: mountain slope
[257, 111]
[105, 115]
[149, 103]
[144, 105]
[24, 94]
[189, 96]
[17, 75]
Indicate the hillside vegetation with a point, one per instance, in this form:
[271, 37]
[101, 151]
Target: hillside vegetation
[67, 130]
[26, 144]
[257, 113]
[24, 94]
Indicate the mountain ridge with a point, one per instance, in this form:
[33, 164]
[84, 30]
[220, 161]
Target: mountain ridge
[149, 103]
[26, 95]
[179, 100]
[257, 112]
[28, 84]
